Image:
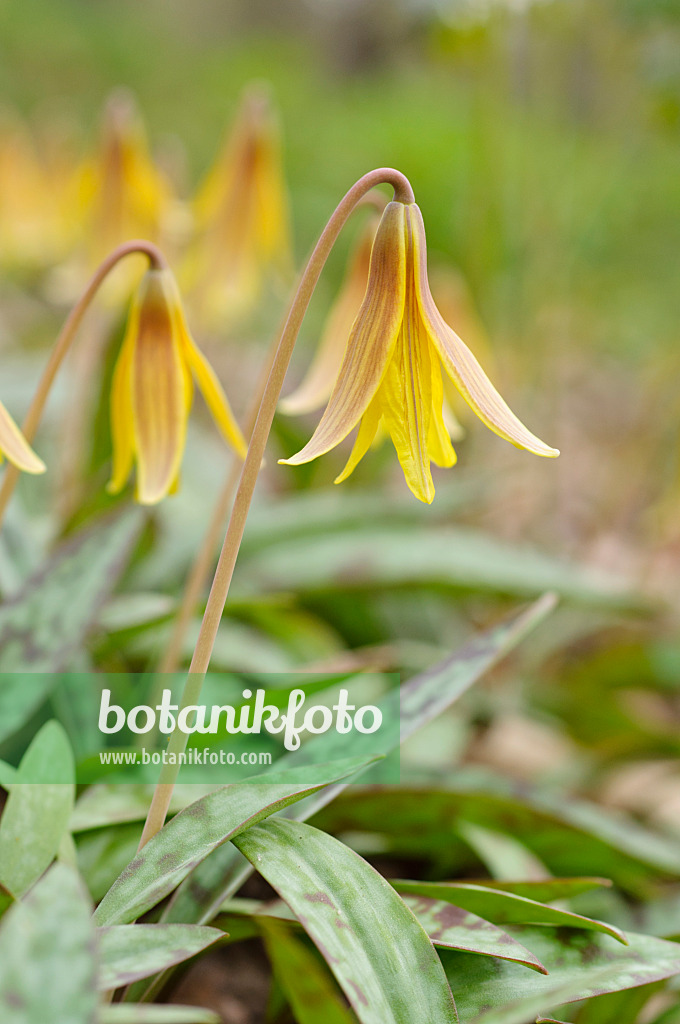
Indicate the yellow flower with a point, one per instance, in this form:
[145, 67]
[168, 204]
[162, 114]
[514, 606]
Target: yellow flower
[242, 219]
[318, 382]
[391, 371]
[152, 392]
[14, 446]
[122, 194]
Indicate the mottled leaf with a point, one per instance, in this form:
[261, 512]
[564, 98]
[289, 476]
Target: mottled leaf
[125, 1013]
[306, 984]
[44, 625]
[37, 813]
[504, 907]
[129, 952]
[363, 930]
[422, 699]
[581, 965]
[191, 835]
[452, 927]
[447, 926]
[48, 967]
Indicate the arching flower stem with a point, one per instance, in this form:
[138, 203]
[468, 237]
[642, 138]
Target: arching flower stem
[225, 567]
[63, 343]
[203, 562]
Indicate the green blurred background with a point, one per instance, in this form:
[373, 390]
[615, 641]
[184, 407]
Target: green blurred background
[542, 141]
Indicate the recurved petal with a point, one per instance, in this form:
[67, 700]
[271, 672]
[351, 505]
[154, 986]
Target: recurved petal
[461, 365]
[323, 371]
[368, 428]
[372, 339]
[158, 391]
[15, 447]
[213, 393]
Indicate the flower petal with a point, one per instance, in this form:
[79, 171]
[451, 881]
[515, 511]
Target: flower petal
[406, 403]
[438, 439]
[371, 342]
[158, 391]
[15, 447]
[213, 393]
[122, 430]
[461, 365]
[368, 428]
[323, 371]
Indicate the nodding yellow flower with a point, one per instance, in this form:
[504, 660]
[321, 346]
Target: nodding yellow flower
[318, 382]
[14, 446]
[242, 218]
[152, 391]
[122, 194]
[391, 370]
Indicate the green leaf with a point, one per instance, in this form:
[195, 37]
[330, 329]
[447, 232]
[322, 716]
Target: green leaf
[503, 907]
[447, 926]
[103, 854]
[6, 900]
[421, 700]
[364, 931]
[123, 1013]
[452, 927]
[129, 952]
[570, 837]
[191, 835]
[503, 855]
[305, 982]
[48, 968]
[37, 813]
[580, 964]
[439, 556]
[44, 626]
[548, 890]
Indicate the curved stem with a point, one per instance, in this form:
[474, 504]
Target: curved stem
[202, 564]
[225, 567]
[63, 344]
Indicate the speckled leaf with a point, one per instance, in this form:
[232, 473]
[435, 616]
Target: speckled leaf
[447, 926]
[123, 1013]
[580, 964]
[504, 907]
[191, 835]
[375, 947]
[47, 954]
[37, 813]
[305, 982]
[452, 927]
[422, 699]
[129, 952]
[45, 624]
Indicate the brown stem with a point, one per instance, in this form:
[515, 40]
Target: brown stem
[225, 567]
[63, 344]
